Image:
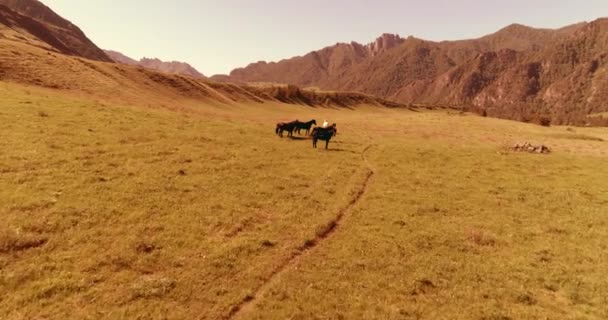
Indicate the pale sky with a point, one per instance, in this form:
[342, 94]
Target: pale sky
[218, 36]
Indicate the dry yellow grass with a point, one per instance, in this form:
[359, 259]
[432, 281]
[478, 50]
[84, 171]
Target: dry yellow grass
[122, 211]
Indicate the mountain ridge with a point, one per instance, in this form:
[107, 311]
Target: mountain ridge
[58, 32]
[514, 73]
[564, 82]
[176, 67]
[519, 72]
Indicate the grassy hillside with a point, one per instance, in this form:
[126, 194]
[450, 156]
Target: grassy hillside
[117, 211]
[24, 60]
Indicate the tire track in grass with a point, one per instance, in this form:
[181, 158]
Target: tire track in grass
[247, 304]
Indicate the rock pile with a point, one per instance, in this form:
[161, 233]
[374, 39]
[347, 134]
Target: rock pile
[532, 148]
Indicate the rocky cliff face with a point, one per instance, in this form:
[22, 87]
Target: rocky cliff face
[518, 72]
[383, 43]
[315, 67]
[564, 81]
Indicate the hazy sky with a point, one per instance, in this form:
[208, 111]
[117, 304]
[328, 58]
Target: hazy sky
[217, 36]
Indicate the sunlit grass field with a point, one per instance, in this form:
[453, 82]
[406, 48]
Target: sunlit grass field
[116, 211]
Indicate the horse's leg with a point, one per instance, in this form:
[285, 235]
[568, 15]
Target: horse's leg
[326, 143]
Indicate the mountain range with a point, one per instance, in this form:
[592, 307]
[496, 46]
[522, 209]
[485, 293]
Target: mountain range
[176, 67]
[63, 36]
[521, 73]
[35, 50]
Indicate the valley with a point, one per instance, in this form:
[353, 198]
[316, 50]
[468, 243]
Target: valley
[129, 192]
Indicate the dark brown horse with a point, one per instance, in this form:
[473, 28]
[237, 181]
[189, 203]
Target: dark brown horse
[286, 126]
[323, 134]
[305, 126]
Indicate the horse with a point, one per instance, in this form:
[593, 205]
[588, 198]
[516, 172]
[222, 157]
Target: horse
[306, 126]
[286, 126]
[323, 134]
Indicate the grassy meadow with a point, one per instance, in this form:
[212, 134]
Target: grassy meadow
[114, 211]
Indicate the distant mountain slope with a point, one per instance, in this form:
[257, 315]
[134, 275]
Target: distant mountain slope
[387, 70]
[17, 27]
[32, 53]
[565, 81]
[389, 54]
[121, 58]
[53, 29]
[519, 72]
[27, 63]
[313, 68]
[156, 64]
[171, 67]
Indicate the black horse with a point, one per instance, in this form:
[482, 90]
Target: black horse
[286, 126]
[323, 134]
[305, 126]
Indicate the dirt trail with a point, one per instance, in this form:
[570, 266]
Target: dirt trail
[248, 303]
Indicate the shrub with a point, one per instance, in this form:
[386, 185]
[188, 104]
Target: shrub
[544, 121]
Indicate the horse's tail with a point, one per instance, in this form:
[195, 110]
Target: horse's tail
[276, 131]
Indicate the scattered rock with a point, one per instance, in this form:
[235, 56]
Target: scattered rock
[145, 247]
[309, 243]
[400, 223]
[531, 148]
[267, 243]
[422, 286]
[526, 299]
